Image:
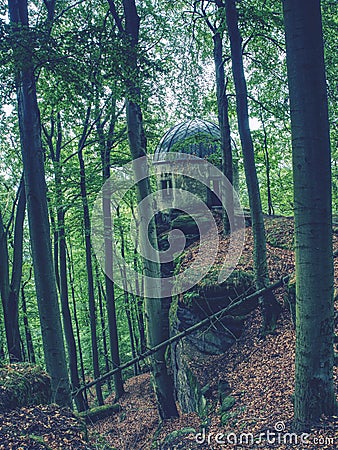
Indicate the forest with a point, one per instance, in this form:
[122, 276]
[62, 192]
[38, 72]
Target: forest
[168, 224]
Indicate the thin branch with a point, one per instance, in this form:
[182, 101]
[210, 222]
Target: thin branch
[115, 15]
[67, 9]
[21, 185]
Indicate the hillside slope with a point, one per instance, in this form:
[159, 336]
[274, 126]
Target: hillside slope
[258, 374]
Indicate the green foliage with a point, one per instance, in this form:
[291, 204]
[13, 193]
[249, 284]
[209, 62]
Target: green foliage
[40, 440]
[172, 438]
[227, 403]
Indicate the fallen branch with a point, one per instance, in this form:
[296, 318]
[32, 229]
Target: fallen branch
[228, 309]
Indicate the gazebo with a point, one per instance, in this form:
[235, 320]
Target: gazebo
[189, 139]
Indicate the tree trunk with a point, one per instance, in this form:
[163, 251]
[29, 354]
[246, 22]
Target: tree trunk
[223, 121]
[76, 321]
[10, 291]
[314, 393]
[89, 264]
[32, 155]
[222, 107]
[60, 257]
[103, 330]
[267, 168]
[139, 300]
[125, 294]
[270, 307]
[67, 319]
[155, 314]
[55, 247]
[28, 334]
[108, 250]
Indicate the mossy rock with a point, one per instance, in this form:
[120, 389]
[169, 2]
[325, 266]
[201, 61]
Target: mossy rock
[215, 293]
[100, 412]
[188, 224]
[23, 384]
[209, 297]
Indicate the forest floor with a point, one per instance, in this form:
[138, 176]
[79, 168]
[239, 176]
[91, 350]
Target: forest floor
[260, 372]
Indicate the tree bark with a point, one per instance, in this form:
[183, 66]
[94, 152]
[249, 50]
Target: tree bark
[224, 125]
[222, 107]
[108, 250]
[267, 167]
[28, 334]
[89, 263]
[10, 290]
[125, 294]
[76, 320]
[155, 314]
[270, 307]
[314, 393]
[61, 259]
[139, 300]
[35, 185]
[103, 329]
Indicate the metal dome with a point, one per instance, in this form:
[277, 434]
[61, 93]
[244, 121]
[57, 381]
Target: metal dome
[193, 137]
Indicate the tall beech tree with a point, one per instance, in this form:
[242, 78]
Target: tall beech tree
[54, 142]
[270, 306]
[89, 257]
[106, 144]
[35, 185]
[10, 286]
[156, 308]
[217, 29]
[28, 334]
[314, 393]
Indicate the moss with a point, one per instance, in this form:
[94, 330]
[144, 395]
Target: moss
[171, 438]
[100, 412]
[188, 224]
[198, 398]
[23, 384]
[173, 312]
[236, 284]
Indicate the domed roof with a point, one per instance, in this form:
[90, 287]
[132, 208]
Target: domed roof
[194, 137]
